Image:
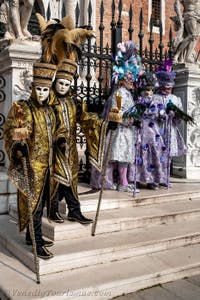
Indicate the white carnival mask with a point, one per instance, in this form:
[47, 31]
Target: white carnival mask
[62, 86]
[42, 93]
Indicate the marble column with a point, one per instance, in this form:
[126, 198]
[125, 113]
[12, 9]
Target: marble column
[16, 60]
[70, 6]
[187, 87]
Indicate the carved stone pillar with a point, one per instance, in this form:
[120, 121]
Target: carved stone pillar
[85, 15]
[16, 61]
[187, 87]
[70, 6]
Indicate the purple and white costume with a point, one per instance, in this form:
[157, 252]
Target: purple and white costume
[151, 151]
[177, 144]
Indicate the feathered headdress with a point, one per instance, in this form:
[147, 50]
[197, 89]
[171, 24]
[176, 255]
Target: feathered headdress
[127, 65]
[61, 40]
[146, 81]
[165, 75]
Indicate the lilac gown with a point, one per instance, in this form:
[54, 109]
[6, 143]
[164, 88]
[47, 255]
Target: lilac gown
[160, 140]
[151, 151]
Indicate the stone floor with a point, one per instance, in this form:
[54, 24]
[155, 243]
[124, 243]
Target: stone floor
[184, 289]
[17, 281]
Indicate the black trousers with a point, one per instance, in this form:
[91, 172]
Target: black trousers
[65, 192]
[37, 219]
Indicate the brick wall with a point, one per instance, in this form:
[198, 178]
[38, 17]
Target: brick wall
[136, 5]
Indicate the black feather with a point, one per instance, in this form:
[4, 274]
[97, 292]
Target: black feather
[135, 111]
[179, 113]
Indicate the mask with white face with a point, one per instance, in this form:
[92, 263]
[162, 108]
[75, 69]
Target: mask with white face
[42, 93]
[62, 86]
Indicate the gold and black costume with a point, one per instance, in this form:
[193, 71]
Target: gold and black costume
[43, 131]
[41, 124]
[94, 129]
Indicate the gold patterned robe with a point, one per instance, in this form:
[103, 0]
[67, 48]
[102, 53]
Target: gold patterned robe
[43, 131]
[94, 129]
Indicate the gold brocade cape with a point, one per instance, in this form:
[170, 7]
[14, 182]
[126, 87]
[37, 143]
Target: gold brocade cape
[94, 129]
[43, 132]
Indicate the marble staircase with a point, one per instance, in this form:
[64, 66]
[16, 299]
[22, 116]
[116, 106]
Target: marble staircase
[139, 242]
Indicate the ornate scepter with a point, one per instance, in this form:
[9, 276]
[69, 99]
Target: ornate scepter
[114, 116]
[21, 134]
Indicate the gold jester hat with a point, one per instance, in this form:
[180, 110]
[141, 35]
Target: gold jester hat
[43, 74]
[67, 70]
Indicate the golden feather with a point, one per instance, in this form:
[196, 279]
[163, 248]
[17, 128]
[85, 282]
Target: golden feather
[67, 22]
[58, 43]
[80, 35]
[62, 45]
[42, 22]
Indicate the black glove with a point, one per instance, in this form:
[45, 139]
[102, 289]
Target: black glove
[137, 123]
[112, 125]
[20, 150]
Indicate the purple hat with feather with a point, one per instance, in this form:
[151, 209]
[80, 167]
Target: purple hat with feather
[165, 75]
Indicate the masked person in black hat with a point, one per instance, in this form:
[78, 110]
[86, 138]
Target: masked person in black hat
[171, 113]
[151, 150]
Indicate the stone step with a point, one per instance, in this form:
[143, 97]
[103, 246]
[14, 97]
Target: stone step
[114, 199]
[125, 219]
[88, 251]
[101, 282]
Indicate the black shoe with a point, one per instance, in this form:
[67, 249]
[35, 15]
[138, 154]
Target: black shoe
[56, 217]
[44, 243]
[78, 217]
[163, 184]
[43, 253]
[152, 186]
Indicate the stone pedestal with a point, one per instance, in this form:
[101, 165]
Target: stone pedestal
[188, 88]
[16, 60]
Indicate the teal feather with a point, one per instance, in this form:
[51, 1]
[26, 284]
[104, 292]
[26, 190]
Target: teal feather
[179, 113]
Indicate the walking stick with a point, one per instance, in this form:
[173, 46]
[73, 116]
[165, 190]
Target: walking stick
[135, 167]
[114, 116]
[102, 184]
[30, 215]
[169, 149]
[20, 133]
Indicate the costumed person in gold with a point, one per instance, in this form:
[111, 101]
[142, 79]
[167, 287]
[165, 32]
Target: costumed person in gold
[66, 166]
[36, 118]
[61, 45]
